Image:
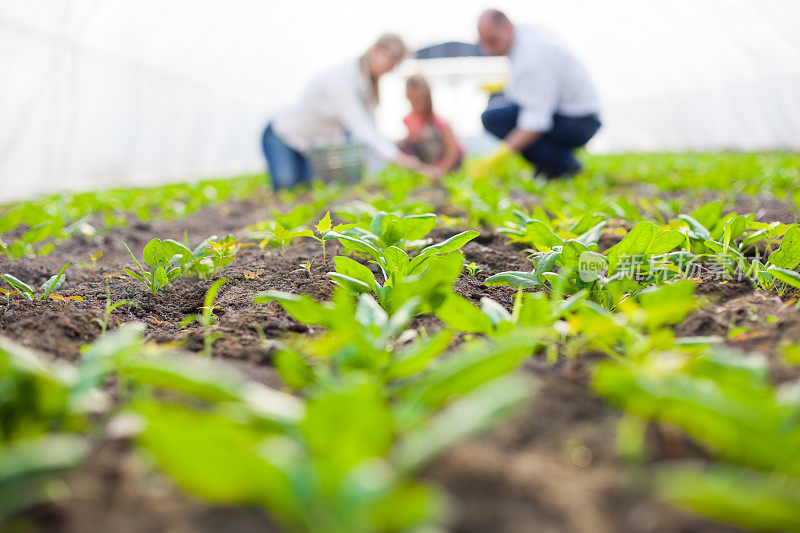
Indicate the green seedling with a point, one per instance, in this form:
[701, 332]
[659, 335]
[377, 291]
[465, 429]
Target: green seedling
[110, 308]
[208, 317]
[573, 265]
[322, 228]
[307, 267]
[164, 259]
[65, 299]
[277, 444]
[53, 218]
[324, 231]
[724, 401]
[9, 294]
[388, 230]
[787, 256]
[281, 237]
[26, 291]
[433, 281]
[220, 252]
[543, 234]
[44, 417]
[398, 269]
[94, 257]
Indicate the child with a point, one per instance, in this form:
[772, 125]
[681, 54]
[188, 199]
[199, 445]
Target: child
[430, 137]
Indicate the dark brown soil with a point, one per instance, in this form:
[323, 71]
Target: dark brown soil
[552, 468]
[754, 322]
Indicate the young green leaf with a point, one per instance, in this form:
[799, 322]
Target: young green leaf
[456, 242]
[353, 269]
[790, 277]
[496, 312]
[352, 284]
[788, 255]
[416, 357]
[708, 215]
[324, 225]
[636, 242]
[54, 282]
[302, 307]
[514, 279]
[25, 290]
[665, 242]
[458, 313]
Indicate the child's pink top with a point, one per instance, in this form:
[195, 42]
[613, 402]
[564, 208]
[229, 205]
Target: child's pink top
[417, 123]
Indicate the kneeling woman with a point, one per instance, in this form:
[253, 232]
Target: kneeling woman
[338, 106]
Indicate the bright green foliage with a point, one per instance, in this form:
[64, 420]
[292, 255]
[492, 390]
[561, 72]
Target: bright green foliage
[290, 467]
[544, 234]
[429, 273]
[789, 277]
[53, 283]
[325, 231]
[610, 259]
[726, 402]
[168, 260]
[788, 255]
[740, 496]
[642, 258]
[53, 218]
[207, 318]
[280, 236]
[211, 256]
[387, 230]
[110, 308]
[369, 338]
[252, 445]
[164, 259]
[286, 228]
[643, 240]
[44, 411]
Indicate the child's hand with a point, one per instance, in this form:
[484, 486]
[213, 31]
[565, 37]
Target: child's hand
[436, 173]
[409, 161]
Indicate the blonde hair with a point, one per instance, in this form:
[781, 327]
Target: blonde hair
[418, 81]
[386, 41]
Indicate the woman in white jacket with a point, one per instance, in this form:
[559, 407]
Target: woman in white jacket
[338, 104]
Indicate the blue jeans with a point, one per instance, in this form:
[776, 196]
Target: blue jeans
[287, 166]
[552, 153]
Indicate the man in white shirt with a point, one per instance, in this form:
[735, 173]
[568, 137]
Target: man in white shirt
[550, 106]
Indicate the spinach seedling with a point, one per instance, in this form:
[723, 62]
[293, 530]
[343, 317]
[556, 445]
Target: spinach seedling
[164, 259]
[280, 236]
[326, 231]
[26, 291]
[94, 257]
[110, 308]
[221, 253]
[207, 318]
[386, 229]
[472, 269]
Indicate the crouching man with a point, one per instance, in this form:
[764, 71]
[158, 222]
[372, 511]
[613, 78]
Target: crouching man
[550, 106]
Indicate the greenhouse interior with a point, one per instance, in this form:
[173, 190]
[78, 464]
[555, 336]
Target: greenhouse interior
[413, 267]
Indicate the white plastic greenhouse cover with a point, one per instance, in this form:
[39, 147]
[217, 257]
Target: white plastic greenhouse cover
[100, 93]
